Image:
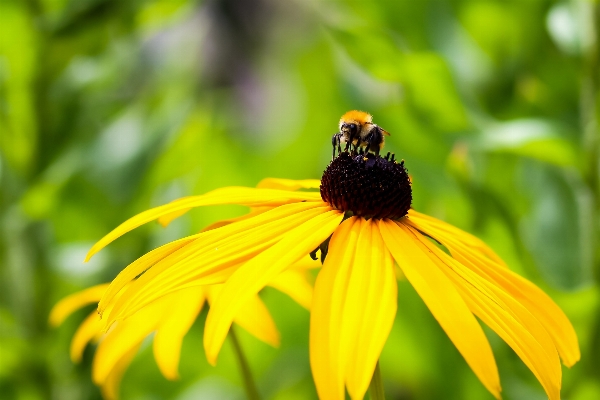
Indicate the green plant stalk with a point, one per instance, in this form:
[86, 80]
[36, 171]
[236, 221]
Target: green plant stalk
[249, 385]
[376, 386]
[590, 117]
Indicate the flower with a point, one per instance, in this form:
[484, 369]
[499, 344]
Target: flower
[170, 317]
[361, 222]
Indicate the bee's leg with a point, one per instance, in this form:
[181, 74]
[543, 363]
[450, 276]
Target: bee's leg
[357, 146]
[349, 143]
[368, 142]
[335, 142]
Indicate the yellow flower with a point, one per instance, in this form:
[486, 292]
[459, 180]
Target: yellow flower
[170, 317]
[362, 223]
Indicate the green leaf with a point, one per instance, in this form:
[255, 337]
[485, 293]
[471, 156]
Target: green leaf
[532, 138]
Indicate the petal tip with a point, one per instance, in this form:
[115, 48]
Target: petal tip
[54, 319]
[212, 359]
[172, 376]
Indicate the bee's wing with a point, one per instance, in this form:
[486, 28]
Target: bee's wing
[386, 133]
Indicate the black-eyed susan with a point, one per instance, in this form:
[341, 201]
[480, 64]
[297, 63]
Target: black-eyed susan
[362, 222]
[169, 318]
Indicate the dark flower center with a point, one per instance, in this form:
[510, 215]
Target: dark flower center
[367, 185]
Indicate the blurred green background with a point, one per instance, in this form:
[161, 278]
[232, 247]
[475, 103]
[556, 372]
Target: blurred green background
[110, 107]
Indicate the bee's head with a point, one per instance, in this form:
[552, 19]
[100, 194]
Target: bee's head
[353, 122]
[349, 129]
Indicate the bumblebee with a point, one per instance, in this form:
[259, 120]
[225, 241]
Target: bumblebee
[357, 129]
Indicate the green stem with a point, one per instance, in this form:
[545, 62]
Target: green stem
[376, 386]
[249, 385]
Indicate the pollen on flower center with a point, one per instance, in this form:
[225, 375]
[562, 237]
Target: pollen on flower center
[367, 185]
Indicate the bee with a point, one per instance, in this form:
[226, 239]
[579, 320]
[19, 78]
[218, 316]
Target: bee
[357, 129]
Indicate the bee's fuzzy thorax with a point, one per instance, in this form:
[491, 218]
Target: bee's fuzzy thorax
[358, 117]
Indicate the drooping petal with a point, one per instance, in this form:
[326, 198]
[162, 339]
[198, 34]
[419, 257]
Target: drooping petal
[253, 316]
[327, 309]
[307, 263]
[503, 314]
[110, 386]
[253, 212]
[74, 302]
[256, 319]
[545, 310]
[204, 240]
[212, 259]
[166, 219]
[231, 195]
[125, 335]
[90, 329]
[288, 184]
[444, 302]
[295, 282]
[256, 226]
[472, 241]
[369, 308]
[250, 278]
[137, 267]
[172, 328]
[267, 183]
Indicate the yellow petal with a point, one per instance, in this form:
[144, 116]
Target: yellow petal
[256, 319]
[254, 212]
[173, 325]
[166, 219]
[250, 278]
[307, 263]
[74, 302]
[327, 309]
[137, 267]
[125, 335]
[444, 302]
[529, 295]
[369, 307]
[90, 328]
[215, 255]
[230, 195]
[472, 241]
[288, 184]
[253, 316]
[110, 386]
[296, 283]
[505, 316]
[267, 183]
[205, 240]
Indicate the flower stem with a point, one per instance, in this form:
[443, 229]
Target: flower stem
[376, 386]
[249, 385]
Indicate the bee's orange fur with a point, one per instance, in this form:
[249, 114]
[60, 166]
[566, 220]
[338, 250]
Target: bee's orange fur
[358, 117]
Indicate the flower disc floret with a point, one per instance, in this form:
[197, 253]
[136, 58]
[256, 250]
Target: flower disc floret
[367, 185]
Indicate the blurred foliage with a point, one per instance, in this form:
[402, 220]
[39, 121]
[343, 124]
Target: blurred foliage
[110, 107]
